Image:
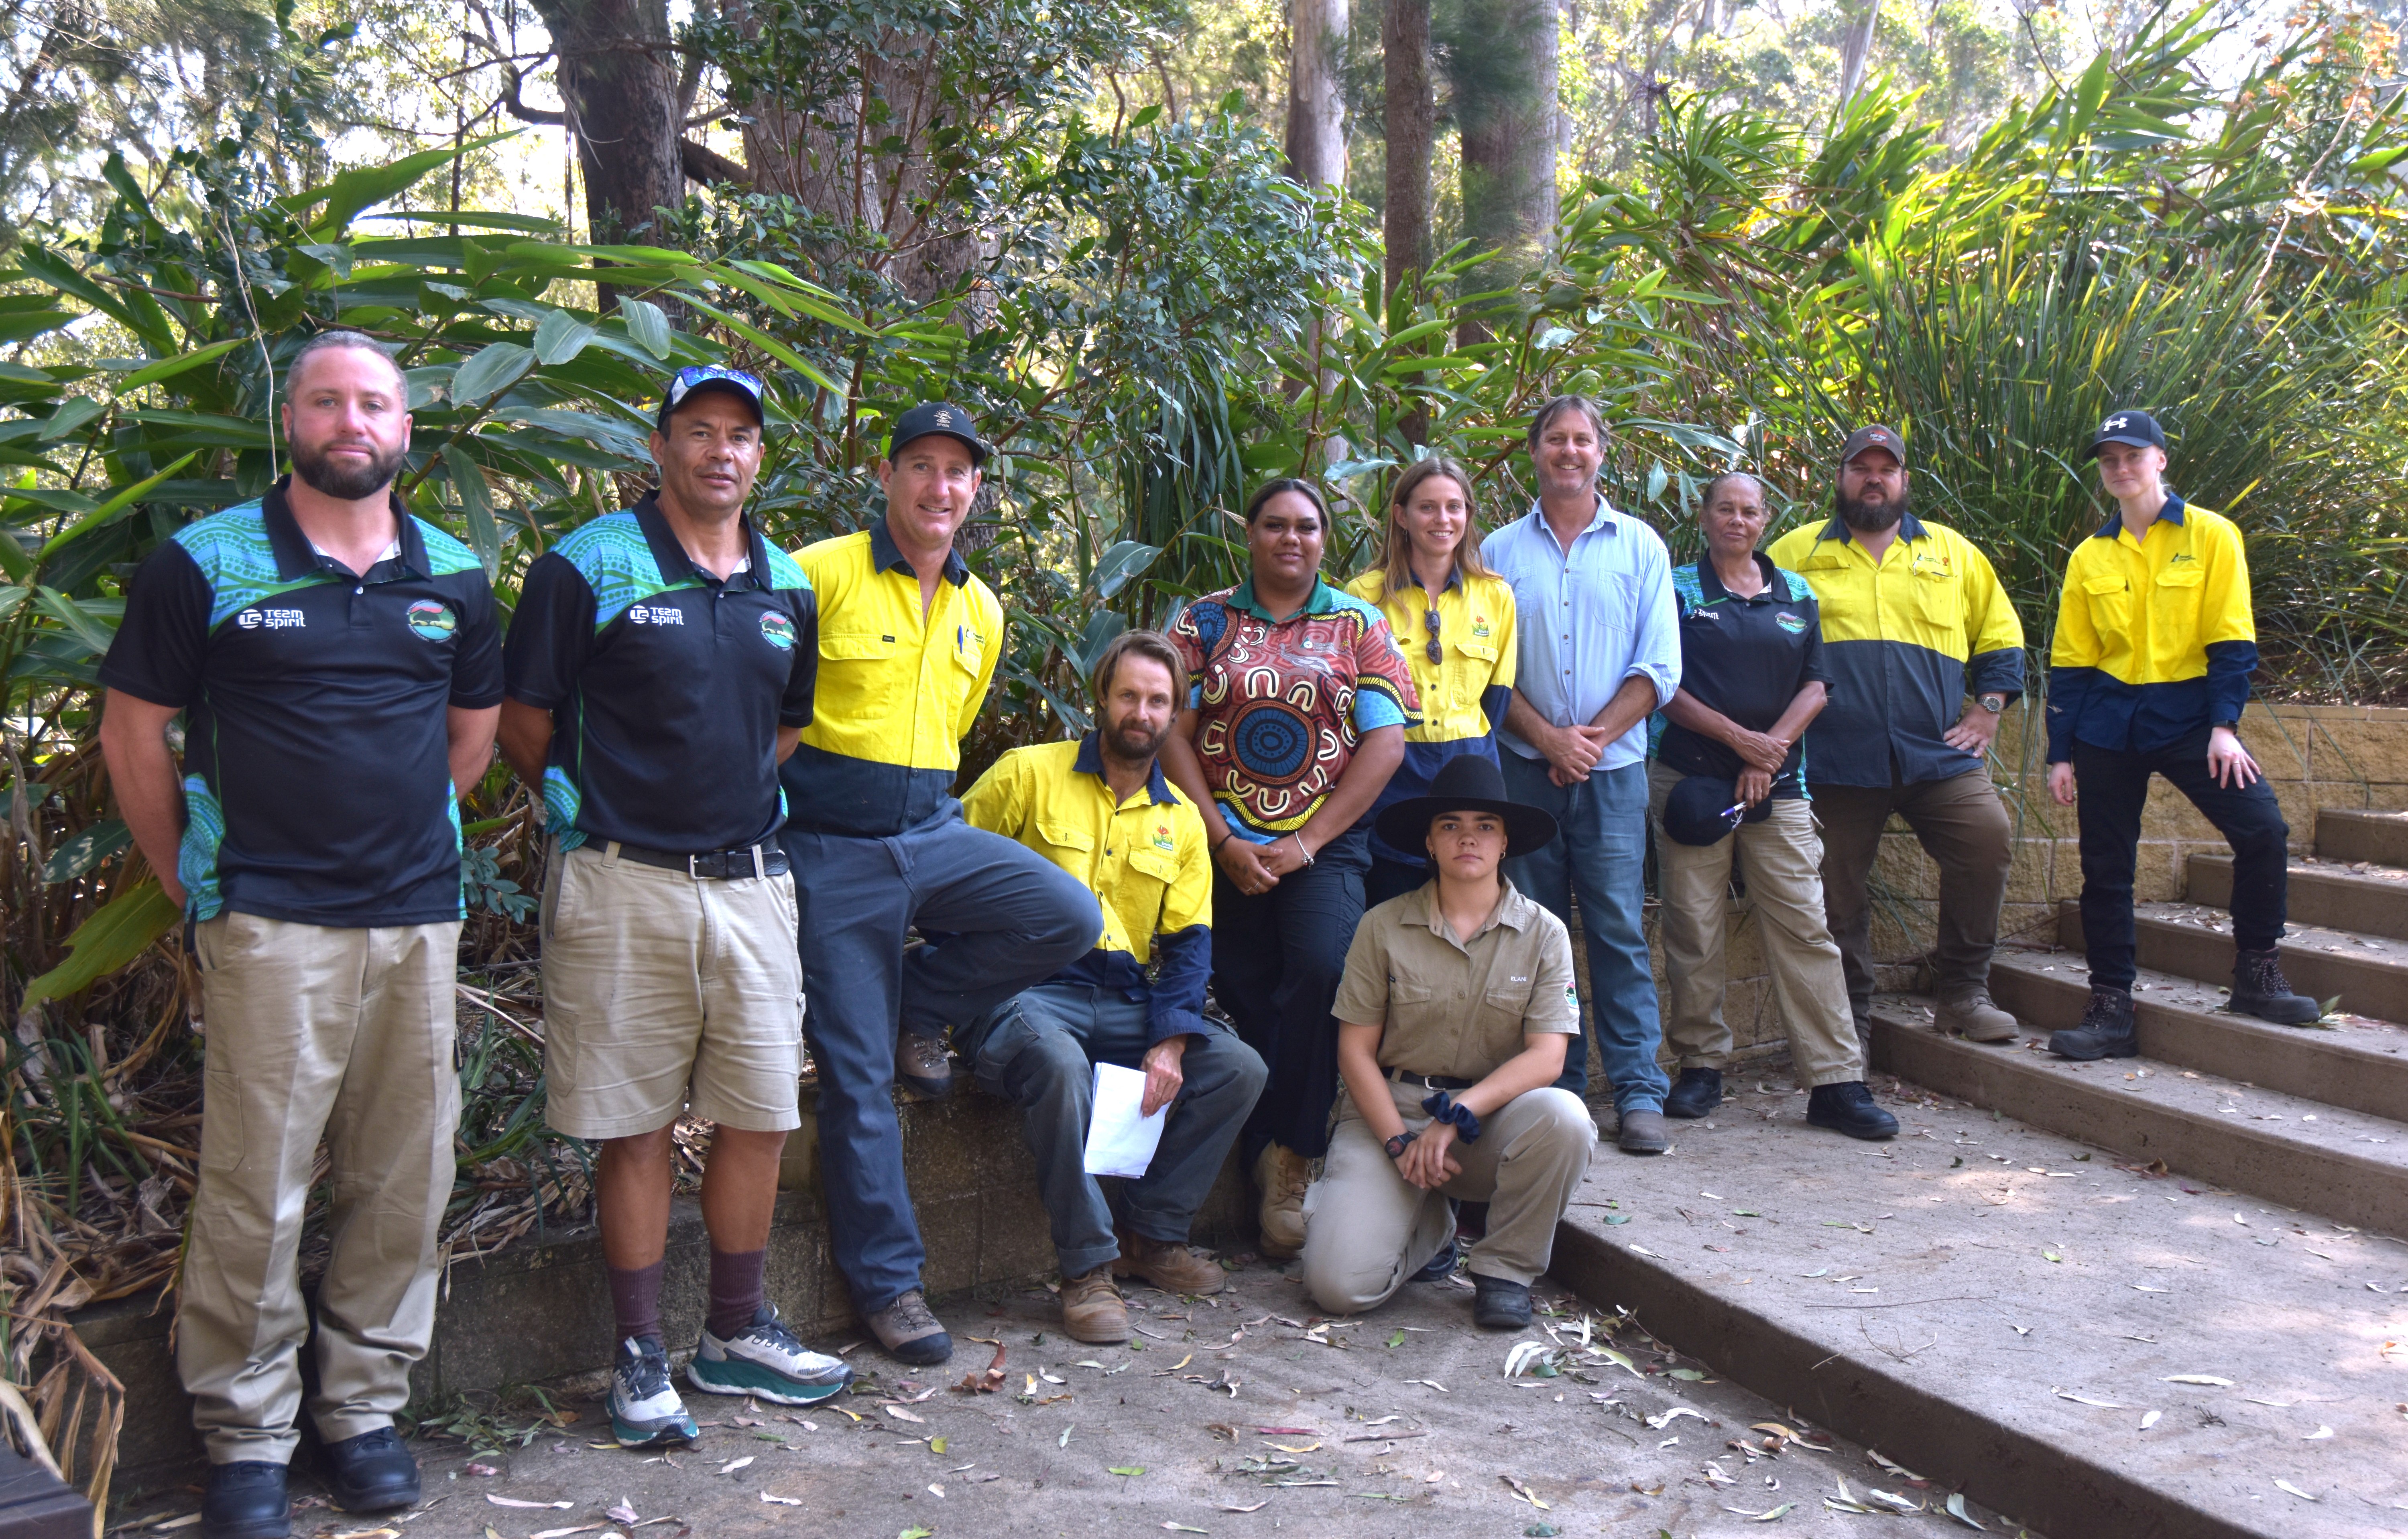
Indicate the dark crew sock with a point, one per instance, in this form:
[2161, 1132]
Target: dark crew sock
[636, 1300]
[738, 1288]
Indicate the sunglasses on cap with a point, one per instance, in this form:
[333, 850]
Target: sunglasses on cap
[683, 386]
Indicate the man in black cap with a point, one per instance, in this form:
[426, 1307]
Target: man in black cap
[909, 642]
[1925, 654]
[1456, 1007]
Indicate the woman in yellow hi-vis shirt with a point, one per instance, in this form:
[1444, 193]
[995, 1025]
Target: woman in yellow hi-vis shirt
[2155, 646]
[1454, 621]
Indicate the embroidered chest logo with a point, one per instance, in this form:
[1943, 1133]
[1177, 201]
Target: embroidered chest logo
[260, 619]
[778, 631]
[1162, 840]
[654, 614]
[1793, 623]
[1480, 627]
[2180, 556]
[430, 620]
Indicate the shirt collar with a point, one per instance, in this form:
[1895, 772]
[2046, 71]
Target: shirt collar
[1090, 761]
[1909, 528]
[1513, 912]
[296, 557]
[669, 555]
[887, 556]
[1454, 579]
[1324, 600]
[1776, 587]
[2170, 513]
[1607, 517]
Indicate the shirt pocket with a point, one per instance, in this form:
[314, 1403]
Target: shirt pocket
[1502, 1011]
[1938, 599]
[2173, 613]
[1414, 1013]
[859, 676]
[1067, 845]
[1473, 668]
[2111, 610]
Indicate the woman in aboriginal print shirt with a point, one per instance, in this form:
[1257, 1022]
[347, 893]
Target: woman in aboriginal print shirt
[1295, 721]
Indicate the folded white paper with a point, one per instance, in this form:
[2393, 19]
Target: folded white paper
[1119, 1140]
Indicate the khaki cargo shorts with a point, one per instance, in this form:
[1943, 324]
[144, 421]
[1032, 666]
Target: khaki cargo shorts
[666, 993]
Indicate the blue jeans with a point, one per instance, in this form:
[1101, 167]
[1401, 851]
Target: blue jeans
[1010, 918]
[1038, 1052]
[1600, 853]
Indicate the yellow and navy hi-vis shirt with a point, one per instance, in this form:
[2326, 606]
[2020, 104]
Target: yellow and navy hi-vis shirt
[2155, 638]
[1904, 642]
[898, 689]
[1145, 859]
[1463, 695]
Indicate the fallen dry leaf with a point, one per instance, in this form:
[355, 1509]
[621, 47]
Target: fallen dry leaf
[2198, 1379]
[901, 1415]
[514, 1502]
[729, 1468]
[782, 1501]
[624, 1511]
[1523, 1492]
[2285, 1485]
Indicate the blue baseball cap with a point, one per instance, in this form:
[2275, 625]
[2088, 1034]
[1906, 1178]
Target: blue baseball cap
[689, 382]
[2137, 428]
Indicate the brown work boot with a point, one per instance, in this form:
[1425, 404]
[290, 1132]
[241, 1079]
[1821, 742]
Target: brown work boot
[1168, 1265]
[1092, 1309]
[920, 1062]
[1977, 1017]
[1282, 1174]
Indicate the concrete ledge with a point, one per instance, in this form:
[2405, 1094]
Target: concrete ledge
[2379, 837]
[2332, 895]
[2368, 974]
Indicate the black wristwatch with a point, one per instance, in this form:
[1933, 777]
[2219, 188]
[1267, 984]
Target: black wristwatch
[1399, 1144]
[1991, 701]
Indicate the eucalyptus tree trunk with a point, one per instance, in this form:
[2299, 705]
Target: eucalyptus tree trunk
[1503, 72]
[1316, 105]
[1854, 49]
[619, 82]
[1411, 112]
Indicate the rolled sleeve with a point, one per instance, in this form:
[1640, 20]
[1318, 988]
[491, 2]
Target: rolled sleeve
[1184, 960]
[1656, 650]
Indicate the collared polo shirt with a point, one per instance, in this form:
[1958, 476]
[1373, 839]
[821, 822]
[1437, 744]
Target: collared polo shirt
[1587, 619]
[1145, 859]
[1463, 695]
[1747, 658]
[317, 758]
[1905, 641]
[2154, 636]
[1453, 1008]
[666, 685]
[898, 688]
[1281, 704]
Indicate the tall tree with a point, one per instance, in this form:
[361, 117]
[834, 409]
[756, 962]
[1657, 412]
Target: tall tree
[624, 106]
[1411, 107]
[1316, 103]
[1501, 66]
[1855, 47]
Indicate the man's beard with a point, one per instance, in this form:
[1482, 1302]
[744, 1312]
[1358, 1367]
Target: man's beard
[1133, 744]
[347, 481]
[1872, 519]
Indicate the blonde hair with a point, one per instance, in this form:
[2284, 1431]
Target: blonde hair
[1395, 563]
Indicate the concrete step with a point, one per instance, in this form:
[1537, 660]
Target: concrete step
[2346, 1165]
[2368, 973]
[2347, 1062]
[1953, 1292]
[2378, 837]
[2368, 899]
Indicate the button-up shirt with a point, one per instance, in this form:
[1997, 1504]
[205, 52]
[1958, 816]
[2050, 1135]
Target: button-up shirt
[1588, 618]
[1453, 1008]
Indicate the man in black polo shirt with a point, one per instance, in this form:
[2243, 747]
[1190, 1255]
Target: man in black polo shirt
[660, 665]
[1729, 783]
[337, 663]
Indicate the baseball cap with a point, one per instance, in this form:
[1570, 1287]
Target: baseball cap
[702, 377]
[937, 417]
[1873, 436]
[2132, 428]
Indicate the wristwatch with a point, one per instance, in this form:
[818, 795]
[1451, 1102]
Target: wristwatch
[1399, 1144]
[1993, 702]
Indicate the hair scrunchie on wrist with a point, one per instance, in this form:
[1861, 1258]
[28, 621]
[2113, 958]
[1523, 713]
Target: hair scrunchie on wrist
[1444, 1108]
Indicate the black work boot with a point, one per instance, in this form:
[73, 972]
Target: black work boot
[1849, 1108]
[246, 1500]
[2259, 989]
[1699, 1092]
[1497, 1304]
[2106, 1030]
[372, 1472]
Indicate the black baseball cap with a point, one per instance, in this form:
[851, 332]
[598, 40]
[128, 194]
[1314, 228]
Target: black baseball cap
[1873, 436]
[1703, 810]
[2133, 427]
[693, 381]
[937, 417]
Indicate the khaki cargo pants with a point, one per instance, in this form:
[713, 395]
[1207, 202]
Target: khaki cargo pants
[311, 1031]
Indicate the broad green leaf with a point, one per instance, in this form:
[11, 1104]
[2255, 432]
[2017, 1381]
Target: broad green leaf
[476, 218]
[648, 325]
[355, 190]
[87, 849]
[168, 368]
[1119, 565]
[72, 416]
[67, 612]
[116, 933]
[496, 367]
[560, 338]
[476, 499]
[109, 512]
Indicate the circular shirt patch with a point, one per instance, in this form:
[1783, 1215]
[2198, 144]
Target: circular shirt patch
[431, 620]
[778, 631]
[1790, 623]
[1273, 742]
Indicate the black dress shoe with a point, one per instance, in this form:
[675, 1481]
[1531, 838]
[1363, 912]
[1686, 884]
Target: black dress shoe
[1499, 1306]
[246, 1501]
[1699, 1092]
[371, 1473]
[1849, 1109]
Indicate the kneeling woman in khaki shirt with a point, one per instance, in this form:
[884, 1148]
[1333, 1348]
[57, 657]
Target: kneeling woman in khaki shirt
[1457, 1008]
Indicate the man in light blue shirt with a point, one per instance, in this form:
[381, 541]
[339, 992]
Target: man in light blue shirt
[1600, 650]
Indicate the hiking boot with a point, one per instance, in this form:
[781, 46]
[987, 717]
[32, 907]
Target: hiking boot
[1642, 1132]
[371, 1473]
[1497, 1304]
[1975, 1017]
[246, 1500]
[1696, 1093]
[1092, 1309]
[766, 1360]
[1849, 1108]
[645, 1411]
[2106, 1030]
[1169, 1265]
[1282, 1174]
[921, 1062]
[910, 1332]
[1439, 1268]
[2259, 989]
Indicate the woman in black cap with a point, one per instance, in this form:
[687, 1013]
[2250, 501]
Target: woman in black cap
[1454, 1014]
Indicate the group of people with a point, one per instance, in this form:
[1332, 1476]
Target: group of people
[1359, 815]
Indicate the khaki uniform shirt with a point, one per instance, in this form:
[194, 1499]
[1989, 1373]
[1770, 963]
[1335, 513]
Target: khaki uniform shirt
[1454, 1009]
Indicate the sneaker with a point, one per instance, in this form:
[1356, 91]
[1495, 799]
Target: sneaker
[645, 1411]
[1092, 1309]
[1169, 1265]
[1282, 1174]
[764, 1360]
[922, 1063]
[1439, 1268]
[1699, 1092]
[2259, 989]
[1848, 1108]
[2106, 1030]
[910, 1332]
[246, 1500]
[1497, 1304]
[1975, 1017]
[371, 1473]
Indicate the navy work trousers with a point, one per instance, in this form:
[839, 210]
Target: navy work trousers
[1010, 918]
[2113, 787]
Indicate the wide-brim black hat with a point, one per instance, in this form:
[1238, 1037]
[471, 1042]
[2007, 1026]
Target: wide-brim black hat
[1469, 783]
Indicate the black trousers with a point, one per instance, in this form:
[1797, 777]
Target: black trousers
[2115, 787]
[1276, 961]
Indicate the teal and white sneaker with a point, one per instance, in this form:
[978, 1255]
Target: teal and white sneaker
[764, 1360]
[645, 1411]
